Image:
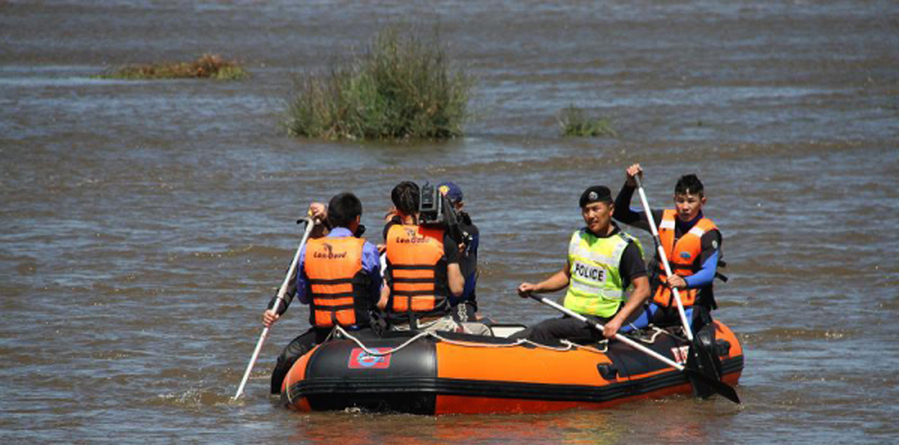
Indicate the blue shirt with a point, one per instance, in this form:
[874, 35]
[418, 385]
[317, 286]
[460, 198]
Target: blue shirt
[370, 265]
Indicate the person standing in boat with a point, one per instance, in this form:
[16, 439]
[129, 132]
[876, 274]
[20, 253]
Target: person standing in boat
[464, 308]
[338, 276]
[692, 244]
[422, 268]
[603, 263]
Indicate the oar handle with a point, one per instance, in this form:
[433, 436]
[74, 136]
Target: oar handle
[282, 292]
[600, 327]
[662, 256]
[645, 202]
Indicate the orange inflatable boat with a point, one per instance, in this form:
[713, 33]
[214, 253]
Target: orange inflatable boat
[449, 373]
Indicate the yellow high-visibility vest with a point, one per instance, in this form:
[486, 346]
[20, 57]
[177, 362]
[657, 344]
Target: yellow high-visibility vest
[595, 287]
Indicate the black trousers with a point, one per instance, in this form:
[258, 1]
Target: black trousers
[549, 332]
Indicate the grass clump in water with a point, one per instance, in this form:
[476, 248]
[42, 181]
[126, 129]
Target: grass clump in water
[576, 123]
[400, 87]
[208, 66]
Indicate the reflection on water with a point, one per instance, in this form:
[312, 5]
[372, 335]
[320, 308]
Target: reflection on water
[146, 224]
[675, 420]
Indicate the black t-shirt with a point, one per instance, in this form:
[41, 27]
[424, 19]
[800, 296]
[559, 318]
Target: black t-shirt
[450, 248]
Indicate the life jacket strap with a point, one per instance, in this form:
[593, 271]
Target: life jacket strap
[332, 281]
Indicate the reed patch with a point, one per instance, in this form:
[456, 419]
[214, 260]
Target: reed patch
[402, 86]
[207, 66]
[575, 122]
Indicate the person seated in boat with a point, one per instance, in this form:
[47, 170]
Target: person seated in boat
[603, 263]
[464, 308]
[422, 269]
[692, 245]
[338, 276]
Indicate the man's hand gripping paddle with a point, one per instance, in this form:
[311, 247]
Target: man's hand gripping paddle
[282, 291]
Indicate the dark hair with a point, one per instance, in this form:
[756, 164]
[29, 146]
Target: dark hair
[405, 197]
[343, 209]
[688, 185]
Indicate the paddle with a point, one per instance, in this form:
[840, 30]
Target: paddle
[282, 291]
[699, 356]
[696, 375]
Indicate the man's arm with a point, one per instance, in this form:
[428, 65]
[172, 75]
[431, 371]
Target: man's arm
[371, 264]
[297, 286]
[385, 296]
[456, 280]
[633, 271]
[634, 302]
[557, 281]
[624, 213]
[711, 244]
[634, 217]
[296, 283]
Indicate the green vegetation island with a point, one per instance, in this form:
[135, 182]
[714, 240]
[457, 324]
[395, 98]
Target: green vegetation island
[402, 87]
[575, 122]
[208, 66]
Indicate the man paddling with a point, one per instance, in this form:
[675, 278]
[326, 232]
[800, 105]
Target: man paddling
[338, 276]
[603, 263]
[692, 245]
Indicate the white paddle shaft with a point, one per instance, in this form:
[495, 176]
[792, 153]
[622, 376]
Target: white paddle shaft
[618, 337]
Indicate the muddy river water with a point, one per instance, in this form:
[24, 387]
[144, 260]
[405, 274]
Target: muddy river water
[145, 224]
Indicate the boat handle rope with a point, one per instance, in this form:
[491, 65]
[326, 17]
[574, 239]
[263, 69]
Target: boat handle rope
[522, 341]
[339, 331]
[657, 331]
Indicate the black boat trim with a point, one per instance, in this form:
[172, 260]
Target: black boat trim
[335, 388]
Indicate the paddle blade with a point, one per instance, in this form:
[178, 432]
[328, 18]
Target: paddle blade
[704, 370]
[703, 367]
[717, 386]
[701, 360]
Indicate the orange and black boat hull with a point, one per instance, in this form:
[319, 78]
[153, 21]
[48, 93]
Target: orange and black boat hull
[451, 376]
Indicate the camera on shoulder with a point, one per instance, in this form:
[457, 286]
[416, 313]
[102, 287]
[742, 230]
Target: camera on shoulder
[435, 210]
[432, 206]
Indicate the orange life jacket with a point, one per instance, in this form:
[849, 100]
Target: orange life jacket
[416, 272]
[683, 257]
[338, 285]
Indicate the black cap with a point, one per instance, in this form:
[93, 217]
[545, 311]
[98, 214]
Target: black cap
[596, 193]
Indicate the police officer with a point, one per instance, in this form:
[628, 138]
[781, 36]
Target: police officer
[603, 263]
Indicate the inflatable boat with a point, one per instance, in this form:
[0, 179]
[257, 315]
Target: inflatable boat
[451, 373]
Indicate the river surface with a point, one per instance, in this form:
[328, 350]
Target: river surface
[144, 225]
